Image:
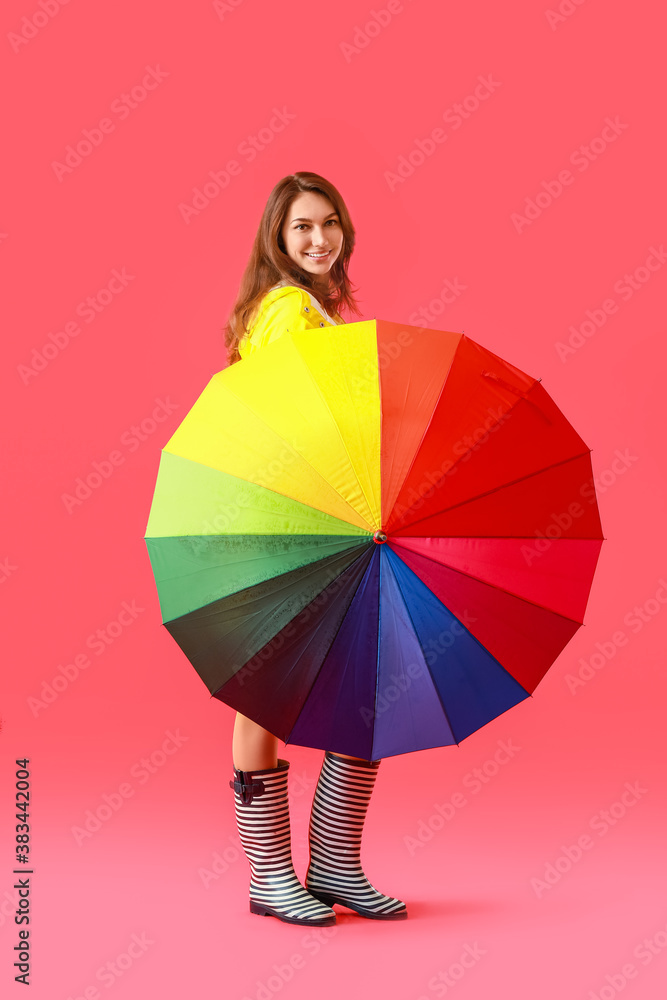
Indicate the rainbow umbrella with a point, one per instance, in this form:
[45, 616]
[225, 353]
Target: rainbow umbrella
[373, 539]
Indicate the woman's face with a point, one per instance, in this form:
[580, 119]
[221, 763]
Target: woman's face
[313, 235]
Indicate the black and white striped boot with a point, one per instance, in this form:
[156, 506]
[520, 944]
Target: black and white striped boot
[337, 817]
[262, 816]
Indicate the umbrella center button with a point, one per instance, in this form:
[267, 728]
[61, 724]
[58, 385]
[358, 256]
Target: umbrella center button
[379, 537]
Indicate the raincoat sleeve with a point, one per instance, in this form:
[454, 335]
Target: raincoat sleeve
[278, 314]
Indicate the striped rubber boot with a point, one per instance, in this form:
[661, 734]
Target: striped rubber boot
[262, 816]
[337, 818]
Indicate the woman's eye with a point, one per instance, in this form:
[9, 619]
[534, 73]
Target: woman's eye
[304, 225]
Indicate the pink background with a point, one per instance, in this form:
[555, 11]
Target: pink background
[222, 73]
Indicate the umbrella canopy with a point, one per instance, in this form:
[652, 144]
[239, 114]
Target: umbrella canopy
[373, 539]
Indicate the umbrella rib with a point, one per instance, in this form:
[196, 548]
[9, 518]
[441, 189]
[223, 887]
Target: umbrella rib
[389, 469]
[496, 489]
[437, 404]
[319, 670]
[211, 645]
[288, 444]
[430, 419]
[377, 652]
[341, 438]
[485, 583]
[428, 666]
[384, 565]
[351, 527]
[242, 585]
[475, 639]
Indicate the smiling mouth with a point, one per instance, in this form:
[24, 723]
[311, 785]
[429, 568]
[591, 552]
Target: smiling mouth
[318, 256]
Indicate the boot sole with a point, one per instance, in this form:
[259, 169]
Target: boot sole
[267, 911]
[330, 900]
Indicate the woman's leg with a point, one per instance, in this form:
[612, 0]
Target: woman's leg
[253, 748]
[337, 816]
[261, 804]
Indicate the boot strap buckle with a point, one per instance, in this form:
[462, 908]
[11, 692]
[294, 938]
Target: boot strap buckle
[247, 789]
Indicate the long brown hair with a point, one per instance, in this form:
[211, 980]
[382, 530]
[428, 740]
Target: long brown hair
[269, 263]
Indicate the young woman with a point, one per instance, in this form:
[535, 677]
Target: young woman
[296, 279]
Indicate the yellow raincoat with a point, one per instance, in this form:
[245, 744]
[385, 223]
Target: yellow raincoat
[284, 309]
